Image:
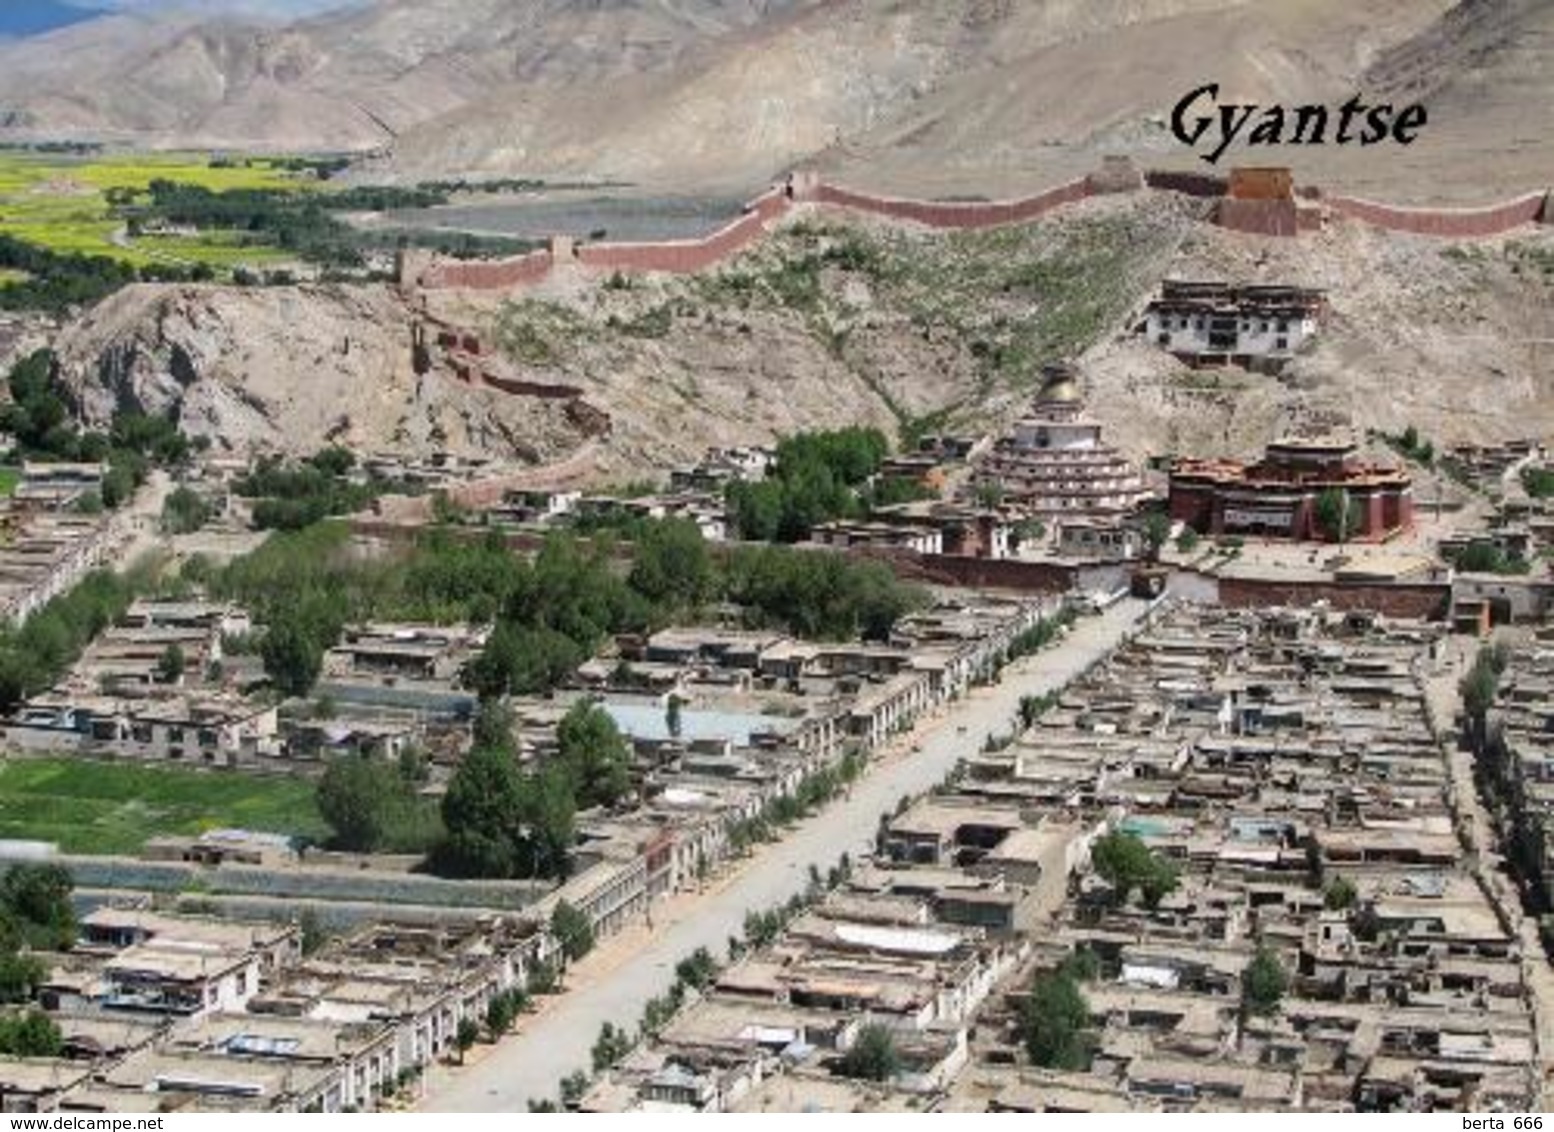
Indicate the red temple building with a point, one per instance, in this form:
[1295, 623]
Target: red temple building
[1277, 496]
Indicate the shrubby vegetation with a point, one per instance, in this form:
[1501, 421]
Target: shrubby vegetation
[1128, 865]
[39, 417]
[1538, 482]
[1412, 446]
[817, 478]
[373, 807]
[503, 821]
[1055, 1021]
[36, 914]
[295, 495]
[1486, 558]
[54, 281]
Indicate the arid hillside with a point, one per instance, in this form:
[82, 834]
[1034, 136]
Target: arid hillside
[944, 97]
[835, 321]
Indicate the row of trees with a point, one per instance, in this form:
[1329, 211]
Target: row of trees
[552, 611]
[35, 655]
[307, 224]
[290, 496]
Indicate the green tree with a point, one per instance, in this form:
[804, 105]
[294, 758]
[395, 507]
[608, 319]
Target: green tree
[549, 823]
[1127, 864]
[170, 665]
[32, 1034]
[293, 655]
[573, 1086]
[523, 661]
[467, 1034]
[572, 930]
[501, 1012]
[670, 565]
[482, 811]
[1157, 528]
[543, 978]
[1054, 1021]
[117, 486]
[1339, 895]
[872, 1056]
[610, 1046]
[314, 934]
[493, 726]
[354, 797]
[1263, 983]
[595, 754]
[673, 721]
[1336, 513]
[21, 975]
[697, 969]
[184, 511]
[37, 905]
[1480, 686]
[1187, 541]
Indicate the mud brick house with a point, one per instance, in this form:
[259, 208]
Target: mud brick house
[1277, 496]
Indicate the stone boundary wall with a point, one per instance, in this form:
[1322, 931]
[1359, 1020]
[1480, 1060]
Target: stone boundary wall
[952, 214]
[1490, 220]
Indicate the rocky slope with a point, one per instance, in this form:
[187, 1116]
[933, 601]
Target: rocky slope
[291, 369]
[833, 323]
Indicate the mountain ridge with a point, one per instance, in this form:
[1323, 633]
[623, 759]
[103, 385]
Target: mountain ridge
[925, 98]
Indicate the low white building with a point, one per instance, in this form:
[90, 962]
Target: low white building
[1217, 323]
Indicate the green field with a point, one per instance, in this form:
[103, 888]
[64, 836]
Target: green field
[94, 807]
[61, 203]
[9, 478]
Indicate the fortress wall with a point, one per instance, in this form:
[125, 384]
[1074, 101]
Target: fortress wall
[1192, 184]
[677, 256]
[1463, 222]
[1259, 216]
[541, 389]
[487, 274]
[953, 214]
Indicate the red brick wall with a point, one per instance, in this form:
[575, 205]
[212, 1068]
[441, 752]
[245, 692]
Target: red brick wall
[1192, 184]
[1258, 217]
[953, 214]
[678, 256]
[1263, 217]
[957, 570]
[1428, 601]
[1461, 222]
[1261, 183]
[487, 275]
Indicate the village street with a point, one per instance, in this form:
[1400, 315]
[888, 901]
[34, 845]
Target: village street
[615, 982]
